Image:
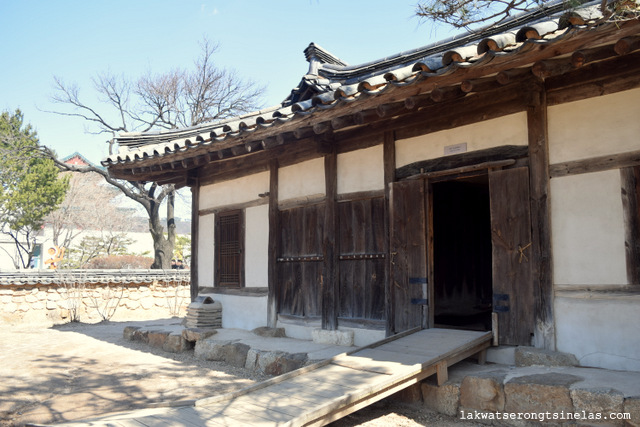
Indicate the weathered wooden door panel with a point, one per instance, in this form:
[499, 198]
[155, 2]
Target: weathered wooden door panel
[361, 258]
[300, 265]
[511, 240]
[408, 249]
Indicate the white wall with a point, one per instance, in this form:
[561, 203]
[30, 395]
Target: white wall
[587, 229]
[594, 127]
[600, 332]
[302, 179]
[507, 130]
[361, 170]
[242, 312]
[240, 190]
[206, 228]
[256, 246]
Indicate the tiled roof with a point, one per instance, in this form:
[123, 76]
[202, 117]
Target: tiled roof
[331, 83]
[62, 277]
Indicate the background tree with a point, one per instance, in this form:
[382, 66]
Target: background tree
[174, 99]
[30, 188]
[89, 205]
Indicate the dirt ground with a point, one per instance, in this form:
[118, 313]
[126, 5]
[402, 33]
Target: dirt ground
[76, 371]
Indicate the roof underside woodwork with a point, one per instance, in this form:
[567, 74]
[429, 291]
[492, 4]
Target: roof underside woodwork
[579, 62]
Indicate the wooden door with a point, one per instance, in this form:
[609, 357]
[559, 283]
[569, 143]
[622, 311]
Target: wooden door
[300, 263]
[511, 240]
[408, 256]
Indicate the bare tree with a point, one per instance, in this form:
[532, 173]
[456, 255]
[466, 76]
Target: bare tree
[170, 100]
[469, 13]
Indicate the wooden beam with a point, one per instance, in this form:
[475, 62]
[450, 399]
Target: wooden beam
[452, 164]
[320, 128]
[506, 77]
[498, 164]
[389, 166]
[551, 67]
[627, 45]
[195, 227]
[330, 251]
[583, 57]
[479, 85]
[390, 110]
[540, 223]
[447, 93]
[630, 179]
[274, 245]
[595, 164]
[262, 200]
[342, 122]
[596, 79]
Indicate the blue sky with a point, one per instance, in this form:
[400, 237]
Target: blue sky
[261, 40]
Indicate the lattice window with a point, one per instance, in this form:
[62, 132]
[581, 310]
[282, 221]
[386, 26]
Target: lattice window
[229, 249]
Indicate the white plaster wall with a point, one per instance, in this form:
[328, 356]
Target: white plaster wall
[601, 333]
[594, 127]
[302, 179]
[206, 228]
[240, 190]
[256, 246]
[242, 312]
[361, 170]
[587, 229]
[507, 130]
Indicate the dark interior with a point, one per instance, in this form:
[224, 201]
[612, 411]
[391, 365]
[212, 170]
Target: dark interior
[462, 254]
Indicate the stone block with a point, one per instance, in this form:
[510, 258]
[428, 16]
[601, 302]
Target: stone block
[267, 332]
[539, 393]
[175, 343]
[632, 407]
[235, 354]
[598, 401]
[31, 298]
[10, 307]
[275, 362]
[197, 334]
[531, 356]
[323, 336]
[158, 338]
[252, 359]
[38, 305]
[141, 335]
[484, 392]
[210, 349]
[129, 332]
[444, 399]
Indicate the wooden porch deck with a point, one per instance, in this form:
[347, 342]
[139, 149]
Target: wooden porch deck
[324, 392]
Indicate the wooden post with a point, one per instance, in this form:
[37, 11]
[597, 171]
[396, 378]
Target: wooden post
[630, 178]
[195, 217]
[274, 249]
[330, 251]
[389, 161]
[541, 222]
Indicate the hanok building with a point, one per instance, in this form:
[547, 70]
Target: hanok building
[485, 182]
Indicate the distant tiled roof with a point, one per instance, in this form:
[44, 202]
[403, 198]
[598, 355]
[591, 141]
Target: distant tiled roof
[331, 83]
[61, 277]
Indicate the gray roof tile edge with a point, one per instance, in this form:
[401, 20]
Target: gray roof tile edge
[61, 277]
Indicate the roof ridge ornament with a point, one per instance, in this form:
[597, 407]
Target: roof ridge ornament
[316, 56]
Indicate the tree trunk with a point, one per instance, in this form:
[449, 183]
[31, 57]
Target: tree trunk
[163, 246]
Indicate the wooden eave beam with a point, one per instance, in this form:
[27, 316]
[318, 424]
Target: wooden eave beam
[391, 102]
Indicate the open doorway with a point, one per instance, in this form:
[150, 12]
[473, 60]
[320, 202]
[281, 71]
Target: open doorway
[462, 265]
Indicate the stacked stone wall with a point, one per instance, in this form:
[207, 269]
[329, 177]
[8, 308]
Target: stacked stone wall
[63, 300]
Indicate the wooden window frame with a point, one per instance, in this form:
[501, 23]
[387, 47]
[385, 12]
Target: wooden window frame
[239, 283]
